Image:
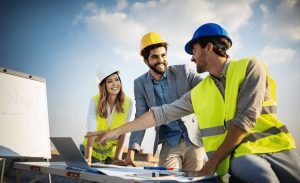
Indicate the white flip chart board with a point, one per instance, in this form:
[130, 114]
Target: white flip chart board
[24, 123]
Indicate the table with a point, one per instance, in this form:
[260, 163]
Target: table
[59, 168]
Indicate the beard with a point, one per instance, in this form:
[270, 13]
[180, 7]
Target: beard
[200, 69]
[201, 65]
[153, 67]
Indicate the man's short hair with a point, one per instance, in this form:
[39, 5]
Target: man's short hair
[220, 44]
[146, 51]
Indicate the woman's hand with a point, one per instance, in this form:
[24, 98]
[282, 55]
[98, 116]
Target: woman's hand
[88, 161]
[126, 162]
[118, 162]
[129, 162]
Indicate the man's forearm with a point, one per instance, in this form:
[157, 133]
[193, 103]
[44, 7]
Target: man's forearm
[147, 120]
[89, 148]
[119, 146]
[131, 153]
[233, 138]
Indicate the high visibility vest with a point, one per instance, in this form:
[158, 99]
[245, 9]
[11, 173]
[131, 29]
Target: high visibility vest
[212, 111]
[102, 152]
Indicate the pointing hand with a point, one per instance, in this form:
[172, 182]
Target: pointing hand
[103, 136]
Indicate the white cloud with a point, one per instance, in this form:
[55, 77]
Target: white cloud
[115, 27]
[175, 20]
[282, 21]
[127, 55]
[294, 33]
[272, 55]
[264, 8]
[122, 4]
[91, 7]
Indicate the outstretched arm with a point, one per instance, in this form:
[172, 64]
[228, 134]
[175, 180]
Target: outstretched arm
[155, 117]
[147, 120]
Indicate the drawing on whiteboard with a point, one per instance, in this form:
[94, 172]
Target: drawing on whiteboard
[23, 116]
[20, 106]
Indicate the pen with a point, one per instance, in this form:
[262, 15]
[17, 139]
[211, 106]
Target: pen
[157, 168]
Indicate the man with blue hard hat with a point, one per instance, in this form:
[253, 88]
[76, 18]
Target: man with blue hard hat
[242, 135]
[236, 110]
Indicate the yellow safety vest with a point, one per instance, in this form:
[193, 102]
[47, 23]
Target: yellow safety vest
[102, 152]
[212, 111]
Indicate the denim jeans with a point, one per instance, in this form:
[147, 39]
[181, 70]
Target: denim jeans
[278, 167]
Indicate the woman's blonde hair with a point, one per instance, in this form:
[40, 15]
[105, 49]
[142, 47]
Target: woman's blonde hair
[103, 100]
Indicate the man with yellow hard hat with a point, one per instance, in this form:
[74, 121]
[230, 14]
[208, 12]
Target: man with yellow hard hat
[163, 84]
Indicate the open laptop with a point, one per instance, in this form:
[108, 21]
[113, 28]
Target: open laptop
[71, 154]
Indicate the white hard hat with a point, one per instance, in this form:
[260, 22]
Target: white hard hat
[105, 70]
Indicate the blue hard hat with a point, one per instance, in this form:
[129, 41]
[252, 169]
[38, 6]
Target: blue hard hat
[206, 30]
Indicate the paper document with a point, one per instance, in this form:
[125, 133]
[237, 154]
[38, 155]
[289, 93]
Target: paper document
[139, 173]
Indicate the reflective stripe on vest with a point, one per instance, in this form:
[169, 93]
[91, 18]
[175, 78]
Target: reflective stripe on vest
[269, 134]
[102, 152]
[259, 135]
[105, 151]
[252, 137]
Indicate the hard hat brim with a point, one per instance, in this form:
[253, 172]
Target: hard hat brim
[188, 47]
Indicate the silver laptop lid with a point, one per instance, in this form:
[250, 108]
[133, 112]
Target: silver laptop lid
[70, 153]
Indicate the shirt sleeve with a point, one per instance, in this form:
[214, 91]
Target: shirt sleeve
[91, 117]
[251, 96]
[173, 111]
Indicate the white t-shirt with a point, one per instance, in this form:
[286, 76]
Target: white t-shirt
[92, 113]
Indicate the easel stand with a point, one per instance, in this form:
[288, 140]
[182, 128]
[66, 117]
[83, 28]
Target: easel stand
[3, 168]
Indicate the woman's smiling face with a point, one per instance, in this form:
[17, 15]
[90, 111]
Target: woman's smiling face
[113, 84]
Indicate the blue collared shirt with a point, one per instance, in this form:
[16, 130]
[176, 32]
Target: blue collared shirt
[173, 131]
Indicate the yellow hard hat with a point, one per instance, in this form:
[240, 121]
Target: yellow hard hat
[150, 39]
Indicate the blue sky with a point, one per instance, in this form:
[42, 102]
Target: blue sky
[65, 41]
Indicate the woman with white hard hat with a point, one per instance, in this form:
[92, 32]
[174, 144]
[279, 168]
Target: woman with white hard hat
[108, 109]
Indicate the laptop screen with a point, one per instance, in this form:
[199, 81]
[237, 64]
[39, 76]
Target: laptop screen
[70, 153]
